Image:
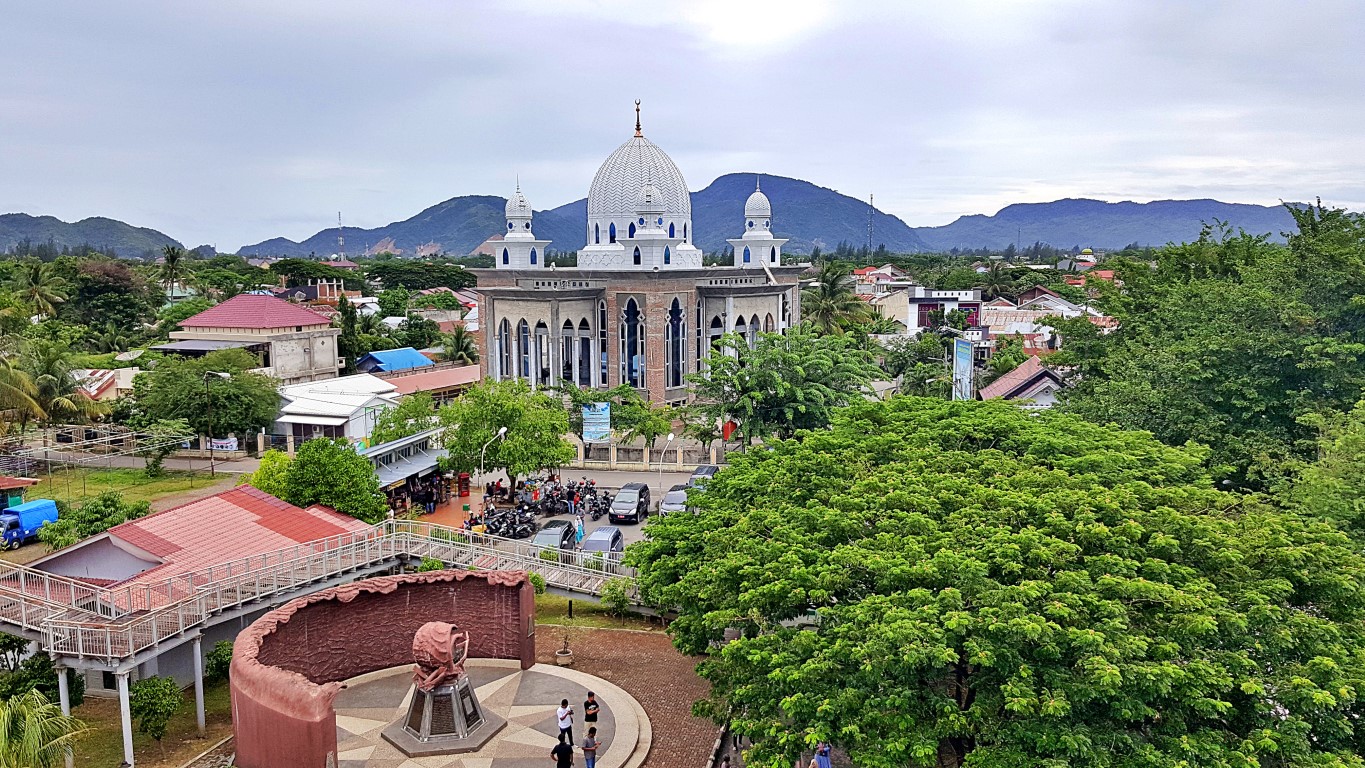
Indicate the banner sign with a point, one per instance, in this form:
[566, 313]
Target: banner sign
[962, 369]
[597, 423]
[225, 444]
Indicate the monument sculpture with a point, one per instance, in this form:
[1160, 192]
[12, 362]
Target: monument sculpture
[444, 716]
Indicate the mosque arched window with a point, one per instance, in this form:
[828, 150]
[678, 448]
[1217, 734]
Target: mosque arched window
[504, 256]
[747, 257]
[684, 231]
[753, 331]
[510, 225]
[668, 256]
[632, 349]
[533, 255]
[611, 232]
[675, 342]
[584, 353]
[751, 225]
[670, 230]
[637, 254]
[772, 254]
[632, 228]
[596, 234]
[542, 358]
[524, 350]
[602, 341]
[504, 349]
[526, 226]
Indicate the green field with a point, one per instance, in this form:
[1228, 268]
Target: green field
[75, 485]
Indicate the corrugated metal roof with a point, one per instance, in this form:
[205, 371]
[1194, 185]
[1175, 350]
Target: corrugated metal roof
[434, 380]
[389, 360]
[253, 311]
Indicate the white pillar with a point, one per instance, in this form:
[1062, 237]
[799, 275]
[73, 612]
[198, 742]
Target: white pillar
[199, 685]
[64, 697]
[577, 358]
[126, 718]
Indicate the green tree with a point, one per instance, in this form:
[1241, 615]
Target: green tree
[34, 733]
[419, 275]
[632, 416]
[1008, 355]
[38, 673]
[153, 701]
[111, 339]
[95, 516]
[348, 343]
[330, 472]
[1333, 487]
[40, 287]
[171, 316]
[394, 302]
[160, 439]
[536, 425]
[783, 384]
[830, 302]
[996, 280]
[413, 414]
[172, 266]
[460, 346]
[218, 662]
[175, 389]
[920, 364]
[1236, 343]
[931, 583]
[17, 392]
[105, 290]
[49, 366]
[418, 332]
[271, 475]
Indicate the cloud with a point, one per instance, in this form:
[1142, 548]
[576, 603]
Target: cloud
[232, 123]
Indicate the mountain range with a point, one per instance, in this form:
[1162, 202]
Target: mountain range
[808, 214]
[104, 234]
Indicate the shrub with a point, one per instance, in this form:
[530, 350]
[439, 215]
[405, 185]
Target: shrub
[431, 564]
[152, 702]
[38, 673]
[218, 661]
[537, 582]
[616, 597]
[549, 555]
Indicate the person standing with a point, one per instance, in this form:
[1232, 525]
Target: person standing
[590, 709]
[822, 755]
[562, 754]
[579, 533]
[590, 747]
[565, 715]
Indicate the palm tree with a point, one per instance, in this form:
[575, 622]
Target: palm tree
[111, 339]
[39, 285]
[371, 325]
[172, 266]
[996, 280]
[57, 395]
[830, 302]
[459, 346]
[17, 394]
[34, 733]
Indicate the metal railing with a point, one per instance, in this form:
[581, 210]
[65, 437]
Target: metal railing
[150, 614]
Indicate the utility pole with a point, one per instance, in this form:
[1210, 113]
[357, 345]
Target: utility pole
[341, 239]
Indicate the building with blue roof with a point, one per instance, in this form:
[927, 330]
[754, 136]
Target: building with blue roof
[391, 360]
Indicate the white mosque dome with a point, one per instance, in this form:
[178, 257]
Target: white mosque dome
[633, 165]
[757, 206]
[517, 207]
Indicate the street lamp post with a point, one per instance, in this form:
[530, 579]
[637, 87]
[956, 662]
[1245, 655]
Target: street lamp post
[662, 456]
[208, 397]
[502, 432]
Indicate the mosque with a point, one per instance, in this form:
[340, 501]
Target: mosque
[640, 308]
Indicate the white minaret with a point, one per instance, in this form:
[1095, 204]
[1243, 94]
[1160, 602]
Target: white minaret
[757, 246]
[520, 248]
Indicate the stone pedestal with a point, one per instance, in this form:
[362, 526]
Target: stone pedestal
[445, 720]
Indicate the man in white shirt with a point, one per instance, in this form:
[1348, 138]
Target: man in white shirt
[565, 715]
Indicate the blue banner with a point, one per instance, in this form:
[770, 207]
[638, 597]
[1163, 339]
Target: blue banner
[597, 423]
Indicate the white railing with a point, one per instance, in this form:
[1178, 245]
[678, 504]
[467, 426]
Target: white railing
[156, 612]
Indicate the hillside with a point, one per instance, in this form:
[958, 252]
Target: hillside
[808, 214]
[104, 234]
[1066, 223]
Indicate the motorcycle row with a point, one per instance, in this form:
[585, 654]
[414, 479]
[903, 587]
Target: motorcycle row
[512, 512]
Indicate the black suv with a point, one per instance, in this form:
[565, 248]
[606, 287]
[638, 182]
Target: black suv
[631, 504]
[701, 474]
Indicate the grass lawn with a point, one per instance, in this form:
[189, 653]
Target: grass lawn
[553, 610]
[75, 485]
[102, 746]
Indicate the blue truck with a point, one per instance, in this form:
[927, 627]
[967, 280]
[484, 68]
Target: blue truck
[20, 523]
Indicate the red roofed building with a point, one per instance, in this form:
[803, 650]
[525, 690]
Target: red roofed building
[1031, 381]
[148, 562]
[295, 344]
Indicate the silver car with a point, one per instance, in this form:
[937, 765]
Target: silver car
[675, 500]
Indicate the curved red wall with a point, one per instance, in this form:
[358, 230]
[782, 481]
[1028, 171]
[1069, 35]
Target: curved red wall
[287, 667]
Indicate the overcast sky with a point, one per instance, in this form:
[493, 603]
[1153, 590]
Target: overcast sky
[228, 123]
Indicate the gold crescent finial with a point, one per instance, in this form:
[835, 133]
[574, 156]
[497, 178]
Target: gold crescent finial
[637, 118]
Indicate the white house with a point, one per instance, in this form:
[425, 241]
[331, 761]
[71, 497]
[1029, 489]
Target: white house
[342, 407]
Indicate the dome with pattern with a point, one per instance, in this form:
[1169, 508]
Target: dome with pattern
[615, 193]
[757, 206]
[517, 207]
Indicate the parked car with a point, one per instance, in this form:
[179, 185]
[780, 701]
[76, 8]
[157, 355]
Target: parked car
[701, 474]
[608, 540]
[675, 500]
[631, 504]
[557, 534]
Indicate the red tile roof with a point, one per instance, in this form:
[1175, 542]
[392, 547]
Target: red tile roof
[226, 526]
[8, 483]
[254, 311]
[1011, 382]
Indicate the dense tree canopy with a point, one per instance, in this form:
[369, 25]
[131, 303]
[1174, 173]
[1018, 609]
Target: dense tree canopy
[323, 471]
[176, 389]
[419, 275]
[988, 587]
[536, 425]
[783, 383]
[1236, 343]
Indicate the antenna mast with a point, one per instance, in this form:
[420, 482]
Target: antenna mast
[341, 239]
